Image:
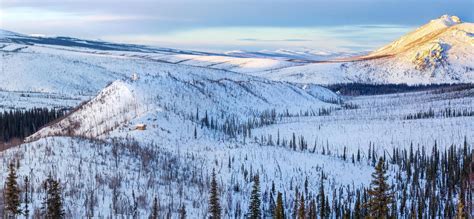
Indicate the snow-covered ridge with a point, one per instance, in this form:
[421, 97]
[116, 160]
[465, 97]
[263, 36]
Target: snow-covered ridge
[418, 36]
[6, 33]
[115, 103]
[212, 60]
[182, 94]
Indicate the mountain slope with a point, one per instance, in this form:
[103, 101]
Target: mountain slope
[441, 51]
[419, 36]
[65, 64]
[184, 94]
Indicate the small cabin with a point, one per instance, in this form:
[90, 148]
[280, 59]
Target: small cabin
[134, 77]
[140, 127]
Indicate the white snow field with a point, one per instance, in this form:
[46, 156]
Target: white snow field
[234, 113]
[380, 121]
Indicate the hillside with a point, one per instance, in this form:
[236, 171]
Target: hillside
[64, 65]
[100, 156]
[222, 98]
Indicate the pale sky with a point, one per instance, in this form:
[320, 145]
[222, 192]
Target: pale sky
[333, 25]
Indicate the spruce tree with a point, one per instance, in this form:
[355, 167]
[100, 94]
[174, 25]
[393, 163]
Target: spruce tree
[279, 209]
[56, 210]
[421, 207]
[27, 200]
[155, 209]
[296, 204]
[327, 209]
[460, 208]
[403, 201]
[357, 210]
[344, 156]
[358, 155]
[254, 207]
[322, 203]
[53, 205]
[182, 212]
[306, 184]
[271, 204]
[12, 193]
[312, 209]
[379, 192]
[214, 205]
[302, 210]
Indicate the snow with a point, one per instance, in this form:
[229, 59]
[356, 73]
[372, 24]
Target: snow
[438, 52]
[424, 32]
[27, 100]
[6, 33]
[97, 152]
[183, 93]
[88, 167]
[379, 121]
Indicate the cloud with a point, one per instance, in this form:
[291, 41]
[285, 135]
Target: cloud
[113, 18]
[274, 40]
[336, 38]
[380, 26]
[230, 23]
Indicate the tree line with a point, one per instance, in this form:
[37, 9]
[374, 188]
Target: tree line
[22, 123]
[357, 89]
[445, 113]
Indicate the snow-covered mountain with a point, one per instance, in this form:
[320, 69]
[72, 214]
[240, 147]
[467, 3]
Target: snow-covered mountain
[438, 52]
[420, 36]
[441, 51]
